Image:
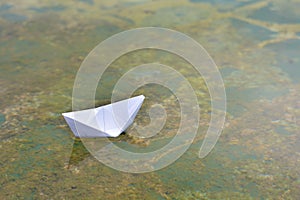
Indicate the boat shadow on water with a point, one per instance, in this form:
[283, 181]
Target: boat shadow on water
[79, 152]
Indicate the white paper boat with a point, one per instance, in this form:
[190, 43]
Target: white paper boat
[105, 121]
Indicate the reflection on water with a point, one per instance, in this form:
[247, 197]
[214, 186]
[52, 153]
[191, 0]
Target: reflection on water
[254, 43]
[78, 154]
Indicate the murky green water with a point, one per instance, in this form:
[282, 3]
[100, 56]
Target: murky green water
[256, 47]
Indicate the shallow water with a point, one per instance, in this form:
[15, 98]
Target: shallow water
[255, 45]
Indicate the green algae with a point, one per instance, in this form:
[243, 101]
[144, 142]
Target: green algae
[257, 156]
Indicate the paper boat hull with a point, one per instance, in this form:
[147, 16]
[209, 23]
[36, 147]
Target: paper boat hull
[105, 121]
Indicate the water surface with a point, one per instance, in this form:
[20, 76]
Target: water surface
[256, 47]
